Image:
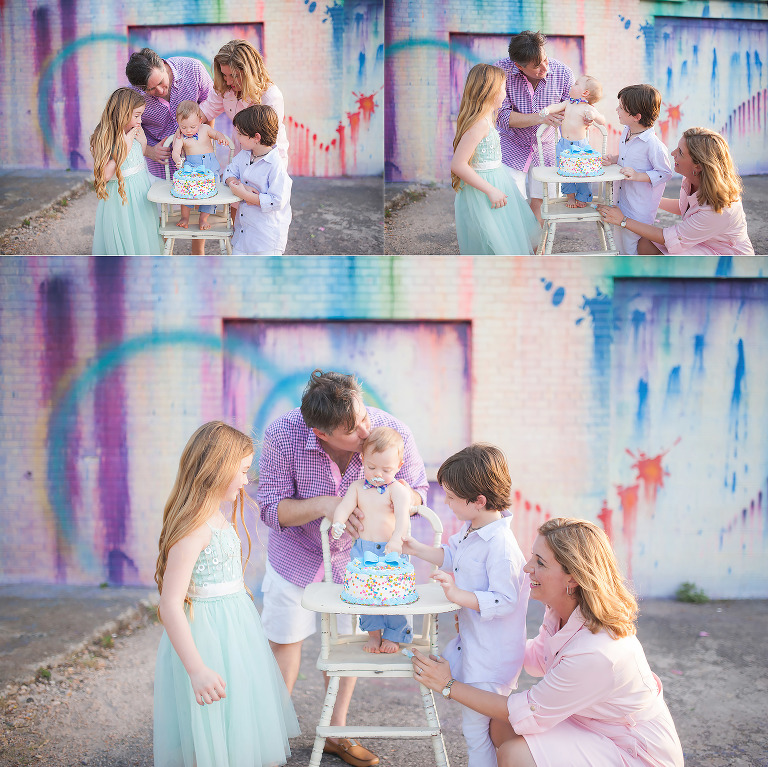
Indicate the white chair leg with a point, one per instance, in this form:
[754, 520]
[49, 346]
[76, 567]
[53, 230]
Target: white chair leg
[325, 719]
[550, 238]
[428, 700]
[601, 228]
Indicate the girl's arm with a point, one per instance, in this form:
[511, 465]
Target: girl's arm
[401, 504]
[109, 170]
[142, 137]
[206, 683]
[433, 554]
[461, 167]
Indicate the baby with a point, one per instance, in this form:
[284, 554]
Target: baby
[578, 115]
[385, 503]
[196, 139]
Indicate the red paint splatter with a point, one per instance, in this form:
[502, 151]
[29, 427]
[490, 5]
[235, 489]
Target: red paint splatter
[366, 105]
[650, 471]
[606, 517]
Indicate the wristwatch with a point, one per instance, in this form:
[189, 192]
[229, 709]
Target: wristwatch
[623, 224]
[447, 689]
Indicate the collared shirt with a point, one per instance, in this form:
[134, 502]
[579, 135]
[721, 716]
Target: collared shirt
[294, 465]
[602, 684]
[190, 83]
[645, 153]
[489, 563]
[519, 149]
[704, 232]
[264, 227]
[215, 104]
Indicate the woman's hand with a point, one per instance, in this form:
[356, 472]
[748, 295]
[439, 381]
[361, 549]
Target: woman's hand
[430, 671]
[208, 686]
[497, 198]
[610, 214]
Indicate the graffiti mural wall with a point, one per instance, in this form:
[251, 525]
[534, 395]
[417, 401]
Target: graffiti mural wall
[706, 58]
[62, 60]
[629, 392]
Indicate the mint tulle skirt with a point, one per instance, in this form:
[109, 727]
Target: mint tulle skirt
[248, 728]
[483, 230]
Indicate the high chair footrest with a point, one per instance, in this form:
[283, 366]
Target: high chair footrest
[377, 732]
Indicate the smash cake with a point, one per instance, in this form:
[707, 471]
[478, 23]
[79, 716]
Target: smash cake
[379, 581]
[580, 161]
[193, 182]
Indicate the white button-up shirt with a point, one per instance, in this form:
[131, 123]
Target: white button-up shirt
[646, 154]
[262, 229]
[491, 643]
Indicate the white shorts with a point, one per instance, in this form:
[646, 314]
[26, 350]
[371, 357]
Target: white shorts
[535, 188]
[625, 241]
[284, 620]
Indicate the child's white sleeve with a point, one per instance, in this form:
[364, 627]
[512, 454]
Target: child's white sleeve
[504, 583]
[233, 169]
[658, 158]
[277, 195]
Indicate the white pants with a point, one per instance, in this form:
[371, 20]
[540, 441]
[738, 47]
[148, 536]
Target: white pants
[626, 241]
[535, 188]
[284, 620]
[480, 749]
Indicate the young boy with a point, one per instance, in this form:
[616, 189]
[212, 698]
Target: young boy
[578, 115]
[644, 161]
[386, 505]
[482, 570]
[258, 176]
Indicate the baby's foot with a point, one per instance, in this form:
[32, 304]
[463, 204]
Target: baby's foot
[388, 646]
[570, 201]
[374, 642]
[579, 204]
[204, 222]
[184, 222]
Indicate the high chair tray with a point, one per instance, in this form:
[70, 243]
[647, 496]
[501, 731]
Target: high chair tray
[326, 598]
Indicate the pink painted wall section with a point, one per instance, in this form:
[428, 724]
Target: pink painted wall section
[327, 59]
[710, 71]
[630, 393]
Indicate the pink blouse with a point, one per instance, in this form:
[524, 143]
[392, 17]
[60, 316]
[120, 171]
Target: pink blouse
[215, 104]
[704, 232]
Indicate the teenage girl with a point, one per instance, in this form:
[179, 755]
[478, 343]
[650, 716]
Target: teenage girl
[126, 221]
[219, 696]
[492, 218]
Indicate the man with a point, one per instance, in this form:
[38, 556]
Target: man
[534, 82]
[310, 457]
[165, 83]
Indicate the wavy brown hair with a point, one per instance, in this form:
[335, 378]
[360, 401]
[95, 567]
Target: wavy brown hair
[241, 57]
[107, 142]
[207, 466]
[482, 86]
[583, 550]
[720, 182]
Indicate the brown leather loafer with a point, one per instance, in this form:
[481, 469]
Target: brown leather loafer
[351, 752]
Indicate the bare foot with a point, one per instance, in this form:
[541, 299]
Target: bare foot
[579, 204]
[374, 642]
[204, 222]
[184, 220]
[388, 646]
[570, 201]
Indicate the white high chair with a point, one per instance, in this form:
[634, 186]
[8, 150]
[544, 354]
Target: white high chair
[343, 654]
[221, 229]
[554, 209]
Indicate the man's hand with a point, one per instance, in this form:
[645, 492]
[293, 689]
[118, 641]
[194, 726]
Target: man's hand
[158, 152]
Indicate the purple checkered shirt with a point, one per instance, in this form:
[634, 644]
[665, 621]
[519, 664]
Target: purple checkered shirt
[518, 145]
[293, 465]
[190, 83]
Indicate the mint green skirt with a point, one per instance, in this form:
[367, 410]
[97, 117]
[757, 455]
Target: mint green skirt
[248, 728]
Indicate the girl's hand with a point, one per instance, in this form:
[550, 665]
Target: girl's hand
[610, 214]
[449, 585]
[431, 671]
[497, 197]
[609, 159]
[208, 686]
[130, 136]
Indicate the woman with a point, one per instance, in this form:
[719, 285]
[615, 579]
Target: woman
[710, 204]
[598, 702]
[240, 79]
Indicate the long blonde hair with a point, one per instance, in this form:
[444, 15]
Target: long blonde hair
[107, 142]
[720, 184]
[242, 57]
[482, 86]
[210, 460]
[583, 550]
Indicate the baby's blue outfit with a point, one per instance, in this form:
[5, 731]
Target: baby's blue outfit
[392, 627]
[209, 161]
[583, 191]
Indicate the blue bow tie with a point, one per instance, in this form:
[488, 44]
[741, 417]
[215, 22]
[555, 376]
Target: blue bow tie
[578, 101]
[196, 135]
[379, 488]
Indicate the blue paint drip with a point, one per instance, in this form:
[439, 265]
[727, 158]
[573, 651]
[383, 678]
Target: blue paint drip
[698, 353]
[673, 382]
[600, 309]
[669, 78]
[361, 67]
[714, 67]
[642, 401]
[724, 266]
[638, 319]
[558, 296]
[738, 377]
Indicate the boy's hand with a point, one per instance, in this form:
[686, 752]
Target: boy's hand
[177, 159]
[406, 547]
[609, 159]
[630, 173]
[337, 530]
[450, 588]
[589, 116]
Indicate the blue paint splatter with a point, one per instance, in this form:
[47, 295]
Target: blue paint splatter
[738, 378]
[714, 67]
[642, 400]
[558, 296]
[724, 266]
[600, 309]
[698, 353]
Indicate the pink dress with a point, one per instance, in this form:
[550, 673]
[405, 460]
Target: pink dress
[214, 105]
[599, 703]
[704, 232]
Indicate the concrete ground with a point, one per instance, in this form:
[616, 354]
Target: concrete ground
[419, 219]
[53, 212]
[96, 707]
